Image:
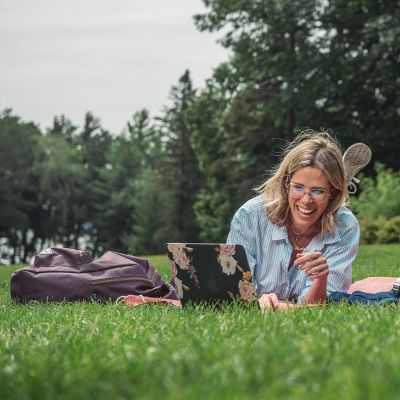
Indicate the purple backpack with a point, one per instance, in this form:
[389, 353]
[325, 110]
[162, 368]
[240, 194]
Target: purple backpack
[62, 274]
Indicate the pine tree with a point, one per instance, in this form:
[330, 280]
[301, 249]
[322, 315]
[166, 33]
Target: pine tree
[181, 170]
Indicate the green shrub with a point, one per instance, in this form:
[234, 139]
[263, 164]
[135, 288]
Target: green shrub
[379, 196]
[378, 207]
[380, 230]
[369, 230]
[389, 231]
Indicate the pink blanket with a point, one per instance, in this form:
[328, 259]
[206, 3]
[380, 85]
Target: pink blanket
[373, 284]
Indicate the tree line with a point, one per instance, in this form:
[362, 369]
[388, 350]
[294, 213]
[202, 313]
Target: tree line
[180, 176]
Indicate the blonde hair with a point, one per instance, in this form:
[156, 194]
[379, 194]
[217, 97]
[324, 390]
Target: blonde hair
[308, 149]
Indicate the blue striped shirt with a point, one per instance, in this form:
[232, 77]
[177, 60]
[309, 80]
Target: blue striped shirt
[269, 251]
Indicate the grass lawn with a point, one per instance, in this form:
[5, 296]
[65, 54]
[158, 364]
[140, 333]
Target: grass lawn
[104, 351]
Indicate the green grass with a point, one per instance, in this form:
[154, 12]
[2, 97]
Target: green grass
[103, 351]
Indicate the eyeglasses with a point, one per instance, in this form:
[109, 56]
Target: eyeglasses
[297, 191]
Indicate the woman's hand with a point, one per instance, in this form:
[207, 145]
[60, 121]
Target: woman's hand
[270, 301]
[314, 264]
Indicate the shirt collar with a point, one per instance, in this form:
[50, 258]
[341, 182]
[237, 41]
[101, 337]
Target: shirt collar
[279, 233]
[318, 242]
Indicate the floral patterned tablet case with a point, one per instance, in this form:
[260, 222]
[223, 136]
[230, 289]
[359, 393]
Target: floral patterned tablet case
[210, 272]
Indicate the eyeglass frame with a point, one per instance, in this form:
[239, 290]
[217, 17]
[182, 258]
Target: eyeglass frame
[317, 199]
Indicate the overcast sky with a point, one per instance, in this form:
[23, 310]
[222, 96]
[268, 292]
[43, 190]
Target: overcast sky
[108, 57]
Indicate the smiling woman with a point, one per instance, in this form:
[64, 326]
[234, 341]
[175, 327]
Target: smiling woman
[299, 237]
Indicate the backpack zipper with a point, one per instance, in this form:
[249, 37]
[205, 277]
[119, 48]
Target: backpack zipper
[122, 279]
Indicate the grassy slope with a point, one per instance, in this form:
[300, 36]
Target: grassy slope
[84, 351]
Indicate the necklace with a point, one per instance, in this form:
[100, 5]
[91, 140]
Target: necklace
[295, 239]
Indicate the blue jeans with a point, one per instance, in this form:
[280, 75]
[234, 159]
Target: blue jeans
[359, 297]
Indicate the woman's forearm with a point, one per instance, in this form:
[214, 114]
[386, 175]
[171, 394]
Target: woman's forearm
[317, 291]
